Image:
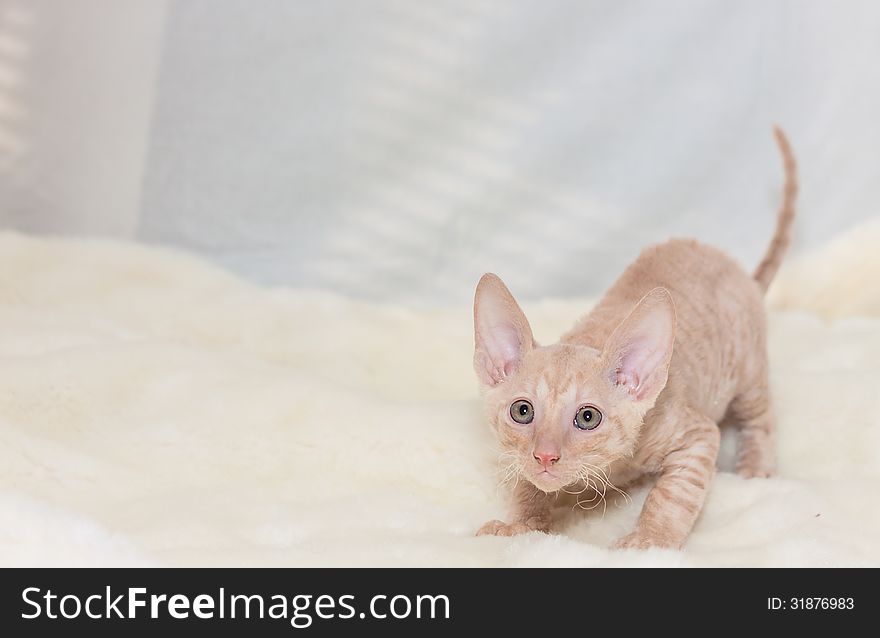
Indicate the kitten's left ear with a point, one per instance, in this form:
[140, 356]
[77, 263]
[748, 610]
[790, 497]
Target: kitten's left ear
[637, 354]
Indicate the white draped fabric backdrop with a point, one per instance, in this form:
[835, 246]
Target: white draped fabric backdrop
[396, 150]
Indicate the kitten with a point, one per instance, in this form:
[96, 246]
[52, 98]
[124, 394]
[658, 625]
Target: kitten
[638, 386]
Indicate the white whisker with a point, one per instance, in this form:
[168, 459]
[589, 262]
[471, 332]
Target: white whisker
[607, 481]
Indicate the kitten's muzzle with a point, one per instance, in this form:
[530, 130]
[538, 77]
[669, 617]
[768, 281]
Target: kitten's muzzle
[546, 481]
[547, 459]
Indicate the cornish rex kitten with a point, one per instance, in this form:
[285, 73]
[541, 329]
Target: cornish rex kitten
[637, 387]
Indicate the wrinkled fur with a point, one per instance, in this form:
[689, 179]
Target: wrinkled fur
[675, 346]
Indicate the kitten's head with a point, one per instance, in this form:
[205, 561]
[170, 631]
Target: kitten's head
[560, 409]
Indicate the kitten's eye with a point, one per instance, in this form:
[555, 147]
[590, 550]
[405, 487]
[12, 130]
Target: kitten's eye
[587, 418]
[522, 412]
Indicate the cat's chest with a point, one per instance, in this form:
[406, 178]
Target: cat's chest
[646, 458]
[627, 471]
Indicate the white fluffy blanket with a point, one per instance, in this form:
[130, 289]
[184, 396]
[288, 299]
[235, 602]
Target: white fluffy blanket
[155, 410]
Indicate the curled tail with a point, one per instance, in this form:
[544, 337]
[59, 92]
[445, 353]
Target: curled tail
[782, 236]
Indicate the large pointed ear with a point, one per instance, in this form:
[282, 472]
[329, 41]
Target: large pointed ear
[502, 335]
[638, 352]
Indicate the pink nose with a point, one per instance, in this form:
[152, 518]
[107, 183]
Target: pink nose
[546, 458]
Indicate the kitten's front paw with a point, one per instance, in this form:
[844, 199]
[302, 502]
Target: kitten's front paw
[637, 540]
[500, 528]
[760, 463]
[749, 471]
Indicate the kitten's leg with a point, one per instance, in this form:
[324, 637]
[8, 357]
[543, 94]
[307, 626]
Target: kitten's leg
[530, 512]
[676, 499]
[756, 453]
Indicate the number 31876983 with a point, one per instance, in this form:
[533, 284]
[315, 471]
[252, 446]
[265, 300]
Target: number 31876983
[810, 603]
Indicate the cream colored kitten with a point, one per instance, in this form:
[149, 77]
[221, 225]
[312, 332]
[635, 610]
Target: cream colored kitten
[638, 386]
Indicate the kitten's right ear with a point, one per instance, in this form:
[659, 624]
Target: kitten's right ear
[502, 335]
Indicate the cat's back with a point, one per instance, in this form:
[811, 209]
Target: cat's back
[705, 283]
[687, 266]
[719, 315]
[700, 277]
[720, 321]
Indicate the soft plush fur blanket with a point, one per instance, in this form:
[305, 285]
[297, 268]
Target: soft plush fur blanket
[155, 410]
